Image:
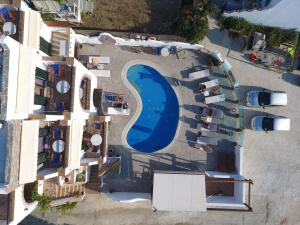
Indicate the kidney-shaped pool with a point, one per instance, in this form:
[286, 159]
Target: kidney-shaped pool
[157, 123]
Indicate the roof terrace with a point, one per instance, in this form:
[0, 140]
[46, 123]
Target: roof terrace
[11, 22]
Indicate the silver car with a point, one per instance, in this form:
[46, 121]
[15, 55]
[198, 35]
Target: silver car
[265, 123]
[256, 98]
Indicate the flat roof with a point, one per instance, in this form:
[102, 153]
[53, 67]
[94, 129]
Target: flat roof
[29, 151]
[283, 14]
[179, 191]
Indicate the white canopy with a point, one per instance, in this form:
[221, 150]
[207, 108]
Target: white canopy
[179, 191]
[29, 151]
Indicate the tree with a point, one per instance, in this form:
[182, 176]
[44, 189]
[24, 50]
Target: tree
[193, 22]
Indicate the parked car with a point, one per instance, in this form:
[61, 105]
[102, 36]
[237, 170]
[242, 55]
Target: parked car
[265, 123]
[256, 98]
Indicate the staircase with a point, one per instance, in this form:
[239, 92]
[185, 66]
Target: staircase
[94, 183]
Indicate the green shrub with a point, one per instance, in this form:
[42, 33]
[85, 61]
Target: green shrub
[47, 17]
[43, 200]
[66, 207]
[193, 22]
[274, 36]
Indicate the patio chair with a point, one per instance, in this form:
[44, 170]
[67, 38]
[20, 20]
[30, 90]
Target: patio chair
[56, 159]
[173, 50]
[55, 69]
[57, 133]
[98, 126]
[198, 75]
[59, 106]
[208, 84]
[95, 148]
[4, 15]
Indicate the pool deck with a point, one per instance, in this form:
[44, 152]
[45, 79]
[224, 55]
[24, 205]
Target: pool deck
[137, 168]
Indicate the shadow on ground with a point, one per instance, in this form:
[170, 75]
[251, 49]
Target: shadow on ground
[291, 78]
[32, 220]
[137, 169]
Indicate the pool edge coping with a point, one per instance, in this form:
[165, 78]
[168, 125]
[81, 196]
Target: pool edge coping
[137, 96]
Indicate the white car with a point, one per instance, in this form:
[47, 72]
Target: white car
[265, 123]
[256, 98]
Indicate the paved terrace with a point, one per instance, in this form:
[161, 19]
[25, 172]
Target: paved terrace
[137, 167]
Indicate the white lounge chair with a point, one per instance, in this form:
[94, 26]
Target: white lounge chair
[205, 148]
[101, 73]
[212, 112]
[198, 75]
[210, 127]
[204, 140]
[209, 84]
[214, 99]
[95, 60]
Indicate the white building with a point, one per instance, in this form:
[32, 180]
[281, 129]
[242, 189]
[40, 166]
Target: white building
[279, 13]
[46, 112]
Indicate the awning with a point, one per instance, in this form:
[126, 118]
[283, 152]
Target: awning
[26, 80]
[29, 151]
[74, 146]
[179, 191]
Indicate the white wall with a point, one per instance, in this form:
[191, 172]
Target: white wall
[239, 159]
[14, 48]
[239, 189]
[21, 207]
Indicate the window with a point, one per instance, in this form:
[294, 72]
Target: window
[42, 74]
[45, 46]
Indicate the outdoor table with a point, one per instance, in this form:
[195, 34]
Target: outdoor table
[58, 146]
[96, 139]
[210, 83]
[165, 51]
[9, 28]
[62, 86]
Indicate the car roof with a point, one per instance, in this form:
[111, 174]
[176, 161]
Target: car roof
[278, 98]
[281, 123]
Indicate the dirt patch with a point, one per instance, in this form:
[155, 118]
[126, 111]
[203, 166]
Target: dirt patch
[151, 16]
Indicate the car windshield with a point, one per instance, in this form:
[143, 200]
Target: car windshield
[264, 98]
[268, 123]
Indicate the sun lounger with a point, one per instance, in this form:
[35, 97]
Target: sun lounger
[214, 99]
[204, 140]
[217, 113]
[101, 73]
[205, 148]
[208, 84]
[198, 75]
[95, 60]
[209, 127]
[212, 112]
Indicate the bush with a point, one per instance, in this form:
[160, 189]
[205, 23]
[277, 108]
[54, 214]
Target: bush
[43, 200]
[66, 207]
[274, 36]
[193, 22]
[47, 17]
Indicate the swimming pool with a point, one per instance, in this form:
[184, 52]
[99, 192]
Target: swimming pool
[157, 123]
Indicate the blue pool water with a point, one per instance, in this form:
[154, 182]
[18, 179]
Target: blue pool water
[156, 126]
